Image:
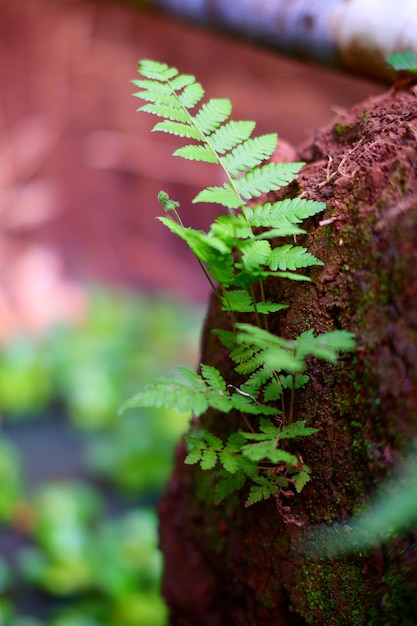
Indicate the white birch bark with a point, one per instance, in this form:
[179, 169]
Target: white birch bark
[351, 34]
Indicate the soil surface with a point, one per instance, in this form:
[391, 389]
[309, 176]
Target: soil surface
[248, 566]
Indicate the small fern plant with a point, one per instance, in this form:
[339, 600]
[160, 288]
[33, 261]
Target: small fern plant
[237, 254]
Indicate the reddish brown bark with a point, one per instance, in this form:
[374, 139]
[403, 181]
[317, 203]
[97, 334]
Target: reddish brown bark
[231, 565]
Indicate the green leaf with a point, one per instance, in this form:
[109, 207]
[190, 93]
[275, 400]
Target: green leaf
[178, 129]
[272, 391]
[166, 111]
[197, 153]
[284, 212]
[213, 441]
[250, 153]
[229, 460]
[228, 484]
[201, 244]
[297, 429]
[300, 480]
[155, 70]
[255, 254]
[225, 195]
[230, 135]
[213, 378]
[325, 346]
[191, 95]
[208, 459]
[193, 456]
[212, 114]
[290, 257]
[405, 60]
[261, 492]
[269, 177]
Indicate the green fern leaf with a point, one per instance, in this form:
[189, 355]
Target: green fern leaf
[250, 365]
[296, 382]
[325, 346]
[250, 153]
[156, 70]
[208, 459]
[257, 380]
[191, 95]
[158, 96]
[225, 195]
[228, 484]
[273, 391]
[269, 177]
[201, 244]
[194, 456]
[229, 135]
[301, 479]
[226, 337]
[261, 492]
[290, 257]
[181, 81]
[178, 129]
[255, 254]
[229, 460]
[212, 114]
[214, 442]
[213, 378]
[406, 60]
[197, 153]
[166, 111]
[281, 214]
[296, 429]
[267, 451]
[230, 228]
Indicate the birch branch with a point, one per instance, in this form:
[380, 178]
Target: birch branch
[355, 35]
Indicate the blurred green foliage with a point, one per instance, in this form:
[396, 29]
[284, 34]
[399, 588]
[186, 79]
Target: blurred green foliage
[104, 567]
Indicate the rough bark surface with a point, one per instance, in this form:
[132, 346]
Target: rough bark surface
[231, 565]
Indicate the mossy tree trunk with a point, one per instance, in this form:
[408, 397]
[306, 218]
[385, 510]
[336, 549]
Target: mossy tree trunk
[233, 565]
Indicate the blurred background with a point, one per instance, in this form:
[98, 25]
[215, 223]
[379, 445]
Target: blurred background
[96, 297]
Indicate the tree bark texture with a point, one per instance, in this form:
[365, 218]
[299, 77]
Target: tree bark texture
[354, 34]
[229, 564]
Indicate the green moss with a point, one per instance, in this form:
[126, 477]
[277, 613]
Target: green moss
[340, 129]
[333, 592]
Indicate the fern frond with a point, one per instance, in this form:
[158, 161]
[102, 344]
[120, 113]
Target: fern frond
[225, 195]
[262, 491]
[325, 346]
[258, 379]
[284, 212]
[156, 70]
[231, 227]
[212, 114]
[240, 301]
[197, 153]
[250, 153]
[229, 135]
[405, 60]
[255, 254]
[201, 244]
[191, 95]
[166, 111]
[178, 129]
[194, 396]
[213, 378]
[227, 484]
[296, 429]
[266, 178]
[290, 257]
[273, 391]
